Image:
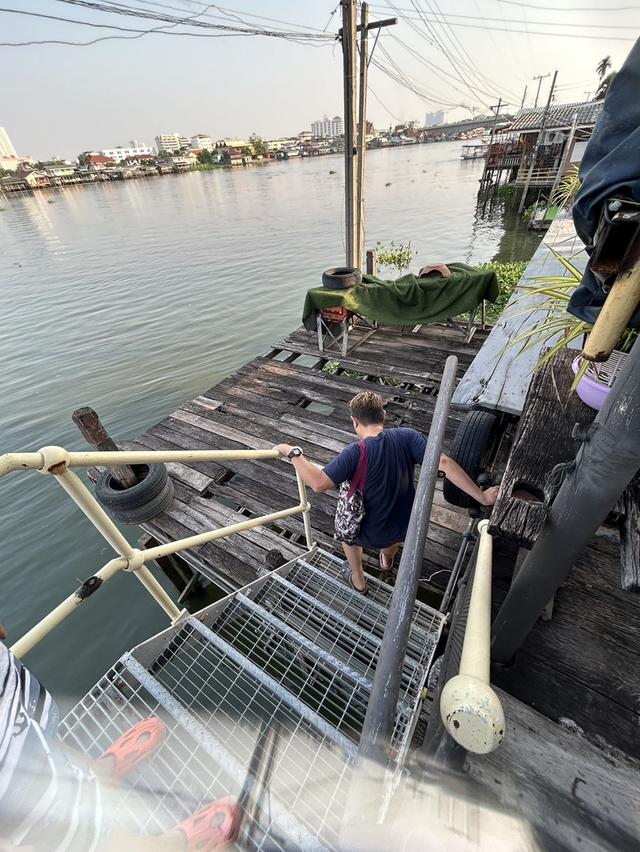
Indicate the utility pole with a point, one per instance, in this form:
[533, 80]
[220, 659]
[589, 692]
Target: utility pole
[524, 97]
[354, 154]
[348, 33]
[534, 156]
[497, 109]
[362, 132]
[539, 78]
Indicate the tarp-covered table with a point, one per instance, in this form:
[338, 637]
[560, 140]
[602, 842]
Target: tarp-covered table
[409, 300]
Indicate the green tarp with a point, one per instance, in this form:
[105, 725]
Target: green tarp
[410, 300]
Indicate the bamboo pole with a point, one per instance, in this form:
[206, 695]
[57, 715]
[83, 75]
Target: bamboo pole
[614, 316]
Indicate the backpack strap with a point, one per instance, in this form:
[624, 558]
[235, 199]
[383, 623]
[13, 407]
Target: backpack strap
[360, 476]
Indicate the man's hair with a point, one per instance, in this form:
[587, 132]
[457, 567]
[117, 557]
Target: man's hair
[368, 408]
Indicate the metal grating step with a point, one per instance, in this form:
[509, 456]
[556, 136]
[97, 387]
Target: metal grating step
[368, 614]
[336, 635]
[380, 592]
[296, 664]
[213, 721]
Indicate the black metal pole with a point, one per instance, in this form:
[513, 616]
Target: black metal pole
[379, 719]
[605, 464]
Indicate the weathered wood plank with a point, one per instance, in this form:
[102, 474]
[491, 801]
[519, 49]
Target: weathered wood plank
[543, 440]
[579, 796]
[499, 376]
[630, 537]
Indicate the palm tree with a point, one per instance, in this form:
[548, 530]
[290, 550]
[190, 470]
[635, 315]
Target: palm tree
[603, 66]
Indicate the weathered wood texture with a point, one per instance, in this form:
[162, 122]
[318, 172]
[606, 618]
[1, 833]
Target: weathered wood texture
[94, 432]
[574, 795]
[499, 376]
[630, 537]
[543, 440]
[583, 665]
[275, 399]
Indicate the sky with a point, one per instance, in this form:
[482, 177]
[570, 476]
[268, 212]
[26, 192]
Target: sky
[60, 99]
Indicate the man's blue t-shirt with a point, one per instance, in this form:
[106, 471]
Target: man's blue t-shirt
[388, 490]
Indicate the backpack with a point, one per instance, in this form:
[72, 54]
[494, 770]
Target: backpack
[350, 509]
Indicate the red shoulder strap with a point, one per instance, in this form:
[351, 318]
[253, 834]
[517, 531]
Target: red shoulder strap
[360, 476]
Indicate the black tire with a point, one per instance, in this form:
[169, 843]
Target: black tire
[470, 447]
[341, 278]
[140, 503]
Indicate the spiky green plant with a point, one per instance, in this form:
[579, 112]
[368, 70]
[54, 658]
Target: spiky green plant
[557, 290]
[565, 194]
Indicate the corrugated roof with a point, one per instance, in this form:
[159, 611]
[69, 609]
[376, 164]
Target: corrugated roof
[560, 115]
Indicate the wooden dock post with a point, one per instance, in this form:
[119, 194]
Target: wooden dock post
[372, 262]
[93, 431]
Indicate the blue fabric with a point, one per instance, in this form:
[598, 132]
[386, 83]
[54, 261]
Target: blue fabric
[388, 491]
[609, 169]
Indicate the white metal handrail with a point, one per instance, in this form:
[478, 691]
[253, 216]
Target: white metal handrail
[58, 462]
[470, 709]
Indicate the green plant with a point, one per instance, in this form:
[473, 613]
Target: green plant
[508, 275]
[557, 290]
[395, 255]
[528, 212]
[565, 194]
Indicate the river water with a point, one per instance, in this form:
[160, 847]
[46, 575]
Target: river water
[133, 297]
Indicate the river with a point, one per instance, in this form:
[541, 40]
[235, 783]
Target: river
[132, 297]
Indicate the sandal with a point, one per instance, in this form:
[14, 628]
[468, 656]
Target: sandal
[346, 573]
[212, 827]
[384, 570]
[135, 746]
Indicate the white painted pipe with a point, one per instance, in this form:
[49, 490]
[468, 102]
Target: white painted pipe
[470, 709]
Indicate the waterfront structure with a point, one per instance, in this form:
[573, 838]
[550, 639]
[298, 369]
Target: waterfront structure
[6, 146]
[134, 149]
[327, 128]
[432, 119]
[202, 142]
[171, 142]
[542, 138]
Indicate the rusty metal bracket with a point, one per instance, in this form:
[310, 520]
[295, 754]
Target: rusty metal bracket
[617, 238]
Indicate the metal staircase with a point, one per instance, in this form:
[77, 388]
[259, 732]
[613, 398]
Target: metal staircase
[264, 694]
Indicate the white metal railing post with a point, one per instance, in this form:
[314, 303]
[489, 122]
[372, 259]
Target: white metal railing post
[66, 607]
[306, 512]
[470, 709]
[56, 461]
[85, 500]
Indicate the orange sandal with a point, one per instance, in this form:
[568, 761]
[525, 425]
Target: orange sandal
[213, 826]
[135, 746]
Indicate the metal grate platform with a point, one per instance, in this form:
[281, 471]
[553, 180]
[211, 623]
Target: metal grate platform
[282, 668]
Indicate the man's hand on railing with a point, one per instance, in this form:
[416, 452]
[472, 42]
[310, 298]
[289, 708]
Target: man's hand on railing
[490, 496]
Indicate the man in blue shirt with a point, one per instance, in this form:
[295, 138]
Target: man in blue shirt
[388, 491]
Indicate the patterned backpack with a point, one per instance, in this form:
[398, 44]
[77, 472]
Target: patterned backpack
[350, 508]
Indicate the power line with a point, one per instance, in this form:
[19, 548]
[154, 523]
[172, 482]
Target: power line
[119, 9]
[534, 32]
[547, 8]
[503, 20]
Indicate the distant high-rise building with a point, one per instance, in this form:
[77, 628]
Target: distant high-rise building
[202, 142]
[6, 148]
[171, 142]
[121, 153]
[433, 118]
[327, 128]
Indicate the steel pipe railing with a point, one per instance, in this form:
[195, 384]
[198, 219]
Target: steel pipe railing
[469, 708]
[381, 709]
[57, 462]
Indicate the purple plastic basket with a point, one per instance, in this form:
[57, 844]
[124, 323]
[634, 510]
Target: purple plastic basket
[592, 393]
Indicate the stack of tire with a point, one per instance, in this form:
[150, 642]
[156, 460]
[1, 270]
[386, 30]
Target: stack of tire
[341, 278]
[142, 502]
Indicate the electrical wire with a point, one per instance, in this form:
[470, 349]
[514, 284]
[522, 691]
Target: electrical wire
[503, 20]
[121, 9]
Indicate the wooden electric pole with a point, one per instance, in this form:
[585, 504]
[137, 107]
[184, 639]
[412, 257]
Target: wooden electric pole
[539, 78]
[534, 156]
[355, 149]
[524, 97]
[349, 79]
[362, 133]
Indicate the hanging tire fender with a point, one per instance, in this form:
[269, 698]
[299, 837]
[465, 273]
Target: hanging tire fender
[470, 449]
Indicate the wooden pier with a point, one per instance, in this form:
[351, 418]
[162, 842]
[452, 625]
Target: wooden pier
[293, 395]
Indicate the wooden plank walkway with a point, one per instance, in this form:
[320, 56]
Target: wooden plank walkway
[290, 396]
[499, 377]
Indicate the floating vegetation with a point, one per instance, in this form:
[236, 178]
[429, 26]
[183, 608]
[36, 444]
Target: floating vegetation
[332, 171]
[388, 184]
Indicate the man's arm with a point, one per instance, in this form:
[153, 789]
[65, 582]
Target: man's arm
[312, 476]
[456, 475]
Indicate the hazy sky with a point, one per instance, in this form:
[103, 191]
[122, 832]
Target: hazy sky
[59, 99]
